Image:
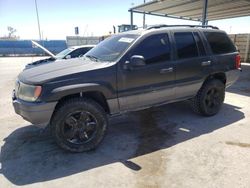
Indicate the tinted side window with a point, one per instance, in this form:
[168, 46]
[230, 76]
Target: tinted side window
[75, 53]
[84, 50]
[154, 49]
[219, 43]
[200, 45]
[185, 44]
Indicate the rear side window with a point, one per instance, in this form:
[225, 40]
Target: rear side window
[85, 50]
[80, 52]
[154, 49]
[219, 43]
[186, 46]
[76, 53]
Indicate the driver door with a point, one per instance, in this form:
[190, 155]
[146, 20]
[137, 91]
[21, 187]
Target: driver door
[151, 84]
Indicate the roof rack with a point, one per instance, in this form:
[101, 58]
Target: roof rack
[192, 26]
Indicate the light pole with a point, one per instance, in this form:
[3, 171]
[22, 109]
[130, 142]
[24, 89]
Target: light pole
[37, 16]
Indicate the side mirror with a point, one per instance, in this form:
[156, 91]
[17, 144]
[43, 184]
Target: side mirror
[135, 61]
[68, 57]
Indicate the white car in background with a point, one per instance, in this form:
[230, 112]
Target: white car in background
[71, 52]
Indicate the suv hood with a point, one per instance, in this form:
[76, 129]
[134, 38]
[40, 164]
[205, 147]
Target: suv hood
[52, 71]
[44, 49]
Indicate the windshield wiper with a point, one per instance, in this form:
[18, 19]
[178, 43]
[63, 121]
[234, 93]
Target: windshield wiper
[92, 57]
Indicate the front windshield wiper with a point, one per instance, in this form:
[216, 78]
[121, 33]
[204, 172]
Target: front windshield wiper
[92, 57]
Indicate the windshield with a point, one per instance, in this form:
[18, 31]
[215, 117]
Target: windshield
[63, 53]
[112, 48]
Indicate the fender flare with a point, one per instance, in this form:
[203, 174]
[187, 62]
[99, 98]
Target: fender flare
[60, 92]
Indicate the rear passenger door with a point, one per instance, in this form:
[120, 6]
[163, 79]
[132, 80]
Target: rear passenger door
[191, 60]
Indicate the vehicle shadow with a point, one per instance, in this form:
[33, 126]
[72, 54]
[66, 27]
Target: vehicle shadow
[29, 154]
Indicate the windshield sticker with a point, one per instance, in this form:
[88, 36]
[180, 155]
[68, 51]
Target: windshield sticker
[127, 40]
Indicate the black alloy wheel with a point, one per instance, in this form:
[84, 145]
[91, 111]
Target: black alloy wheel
[79, 127]
[79, 124]
[209, 98]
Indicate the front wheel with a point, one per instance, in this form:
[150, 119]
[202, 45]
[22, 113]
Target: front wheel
[79, 125]
[210, 98]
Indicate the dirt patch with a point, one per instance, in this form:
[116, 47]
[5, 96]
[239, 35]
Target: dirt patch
[152, 137]
[243, 145]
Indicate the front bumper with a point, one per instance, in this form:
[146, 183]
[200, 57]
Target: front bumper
[37, 113]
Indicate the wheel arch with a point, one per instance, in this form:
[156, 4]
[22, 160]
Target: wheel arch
[96, 96]
[97, 92]
[218, 75]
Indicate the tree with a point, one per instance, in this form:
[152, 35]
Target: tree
[11, 31]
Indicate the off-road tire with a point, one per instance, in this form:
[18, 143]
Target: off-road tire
[199, 102]
[69, 106]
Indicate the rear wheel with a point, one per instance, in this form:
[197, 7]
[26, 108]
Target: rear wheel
[79, 125]
[209, 99]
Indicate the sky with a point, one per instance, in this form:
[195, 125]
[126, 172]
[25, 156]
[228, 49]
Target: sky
[93, 17]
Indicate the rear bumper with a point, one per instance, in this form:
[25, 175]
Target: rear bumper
[232, 76]
[36, 113]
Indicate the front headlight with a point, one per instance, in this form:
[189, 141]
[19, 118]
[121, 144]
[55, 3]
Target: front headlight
[27, 92]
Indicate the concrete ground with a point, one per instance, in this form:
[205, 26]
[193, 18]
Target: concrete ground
[168, 146]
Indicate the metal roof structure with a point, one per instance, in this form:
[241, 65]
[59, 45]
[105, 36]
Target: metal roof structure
[197, 10]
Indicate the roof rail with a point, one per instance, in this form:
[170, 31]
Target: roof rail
[163, 25]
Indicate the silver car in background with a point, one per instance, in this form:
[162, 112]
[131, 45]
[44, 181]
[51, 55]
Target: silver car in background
[71, 52]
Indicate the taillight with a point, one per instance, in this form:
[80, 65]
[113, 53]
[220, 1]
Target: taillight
[237, 62]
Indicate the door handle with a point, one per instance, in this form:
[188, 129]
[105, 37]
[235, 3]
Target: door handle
[205, 63]
[163, 71]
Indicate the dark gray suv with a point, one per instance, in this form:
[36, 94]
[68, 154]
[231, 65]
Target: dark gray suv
[127, 72]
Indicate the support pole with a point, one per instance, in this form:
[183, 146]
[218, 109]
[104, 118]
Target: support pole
[204, 14]
[131, 19]
[144, 18]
